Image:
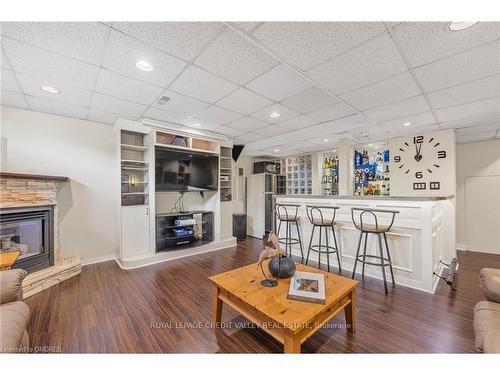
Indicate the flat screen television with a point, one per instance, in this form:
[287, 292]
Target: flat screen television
[178, 170]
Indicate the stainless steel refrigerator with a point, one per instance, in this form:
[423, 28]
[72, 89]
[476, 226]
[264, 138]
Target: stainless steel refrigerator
[261, 188]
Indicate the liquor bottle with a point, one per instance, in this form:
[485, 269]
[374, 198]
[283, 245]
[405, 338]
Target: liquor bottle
[325, 164]
[377, 190]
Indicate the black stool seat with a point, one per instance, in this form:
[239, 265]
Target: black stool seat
[323, 217]
[378, 229]
[288, 214]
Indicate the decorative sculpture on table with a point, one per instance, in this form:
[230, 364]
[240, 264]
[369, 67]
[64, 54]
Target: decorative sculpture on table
[280, 265]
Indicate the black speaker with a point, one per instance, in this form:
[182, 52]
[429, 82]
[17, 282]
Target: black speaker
[237, 151]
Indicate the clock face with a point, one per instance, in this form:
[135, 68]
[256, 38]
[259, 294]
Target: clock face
[421, 163]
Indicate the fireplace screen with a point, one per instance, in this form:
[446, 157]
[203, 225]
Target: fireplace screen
[23, 236]
[29, 231]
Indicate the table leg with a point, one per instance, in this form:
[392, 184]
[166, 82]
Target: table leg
[292, 344]
[350, 313]
[216, 305]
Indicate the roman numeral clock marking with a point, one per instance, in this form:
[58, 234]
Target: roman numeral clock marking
[422, 162]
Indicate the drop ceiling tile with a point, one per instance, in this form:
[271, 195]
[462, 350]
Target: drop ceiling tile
[248, 124]
[399, 109]
[180, 104]
[50, 65]
[271, 131]
[279, 83]
[67, 94]
[9, 81]
[309, 100]
[341, 125]
[299, 122]
[183, 39]
[218, 115]
[421, 119]
[306, 44]
[299, 145]
[479, 108]
[101, 116]
[326, 141]
[197, 123]
[228, 131]
[481, 129]
[12, 99]
[465, 67]
[202, 85]
[371, 62]
[121, 107]
[472, 121]
[5, 61]
[392, 89]
[247, 26]
[331, 112]
[84, 41]
[232, 57]
[468, 92]
[160, 115]
[123, 52]
[424, 42]
[57, 108]
[475, 137]
[248, 137]
[285, 113]
[122, 87]
[244, 101]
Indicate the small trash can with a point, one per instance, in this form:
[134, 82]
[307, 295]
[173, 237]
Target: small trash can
[240, 226]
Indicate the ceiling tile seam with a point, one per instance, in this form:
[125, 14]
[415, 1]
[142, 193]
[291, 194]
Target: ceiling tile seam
[302, 74]
[463, 83]
[106, 44]
[23, 94]
[470, 102]
[49, 51]
[346, 51]
[458, 53]
[411, 71]
[372, 84]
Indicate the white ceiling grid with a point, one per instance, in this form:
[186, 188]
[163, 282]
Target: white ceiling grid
[327, 80]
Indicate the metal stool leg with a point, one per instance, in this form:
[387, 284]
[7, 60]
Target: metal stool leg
[287, 238]
[278, 232]
[310, 243]
[357, 254]
[327, 250]
[300, 242]
[319, 252]
[364, 257]
[382, 261]
[336, 248]
[389, 257]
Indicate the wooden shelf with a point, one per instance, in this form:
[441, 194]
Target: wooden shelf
[133, 147]
[135, 193]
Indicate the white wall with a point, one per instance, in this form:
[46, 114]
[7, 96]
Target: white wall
[239, 182]
[473, 160]
[46, 144]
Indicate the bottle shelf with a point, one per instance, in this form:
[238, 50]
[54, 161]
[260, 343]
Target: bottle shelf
[133, 147]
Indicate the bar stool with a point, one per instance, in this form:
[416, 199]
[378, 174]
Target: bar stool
[380, 230]
[288, 213]
[317, 219]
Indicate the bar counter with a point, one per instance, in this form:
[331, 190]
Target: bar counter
[422, 236]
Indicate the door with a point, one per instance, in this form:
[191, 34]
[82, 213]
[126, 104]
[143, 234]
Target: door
[135, 231]
[482, 214]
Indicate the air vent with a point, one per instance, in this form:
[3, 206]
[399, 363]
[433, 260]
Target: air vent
[163, 100]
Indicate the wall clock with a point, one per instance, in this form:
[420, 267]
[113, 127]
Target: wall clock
[423, 164]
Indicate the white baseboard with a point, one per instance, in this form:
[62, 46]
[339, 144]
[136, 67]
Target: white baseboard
[461, 246]
[160, 257]
[99, 259]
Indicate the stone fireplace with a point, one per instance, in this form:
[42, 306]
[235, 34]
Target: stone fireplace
[29, 223]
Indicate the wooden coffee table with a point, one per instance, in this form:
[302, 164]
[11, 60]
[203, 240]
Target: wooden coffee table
[289, 322]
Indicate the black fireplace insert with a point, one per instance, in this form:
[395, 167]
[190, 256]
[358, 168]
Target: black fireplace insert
[29, 230]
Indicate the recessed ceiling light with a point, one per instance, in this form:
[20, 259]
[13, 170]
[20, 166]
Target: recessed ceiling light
[370, 145]
[50, 89]
[276, 150]
[275, 115]
[144, 66]
[325, 140]
[459, 26]
[407, 124]
[197, 125]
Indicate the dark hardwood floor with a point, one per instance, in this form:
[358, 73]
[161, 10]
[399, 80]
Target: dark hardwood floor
[109, 310]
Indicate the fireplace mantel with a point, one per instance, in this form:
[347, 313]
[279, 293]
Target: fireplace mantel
[27, 176]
